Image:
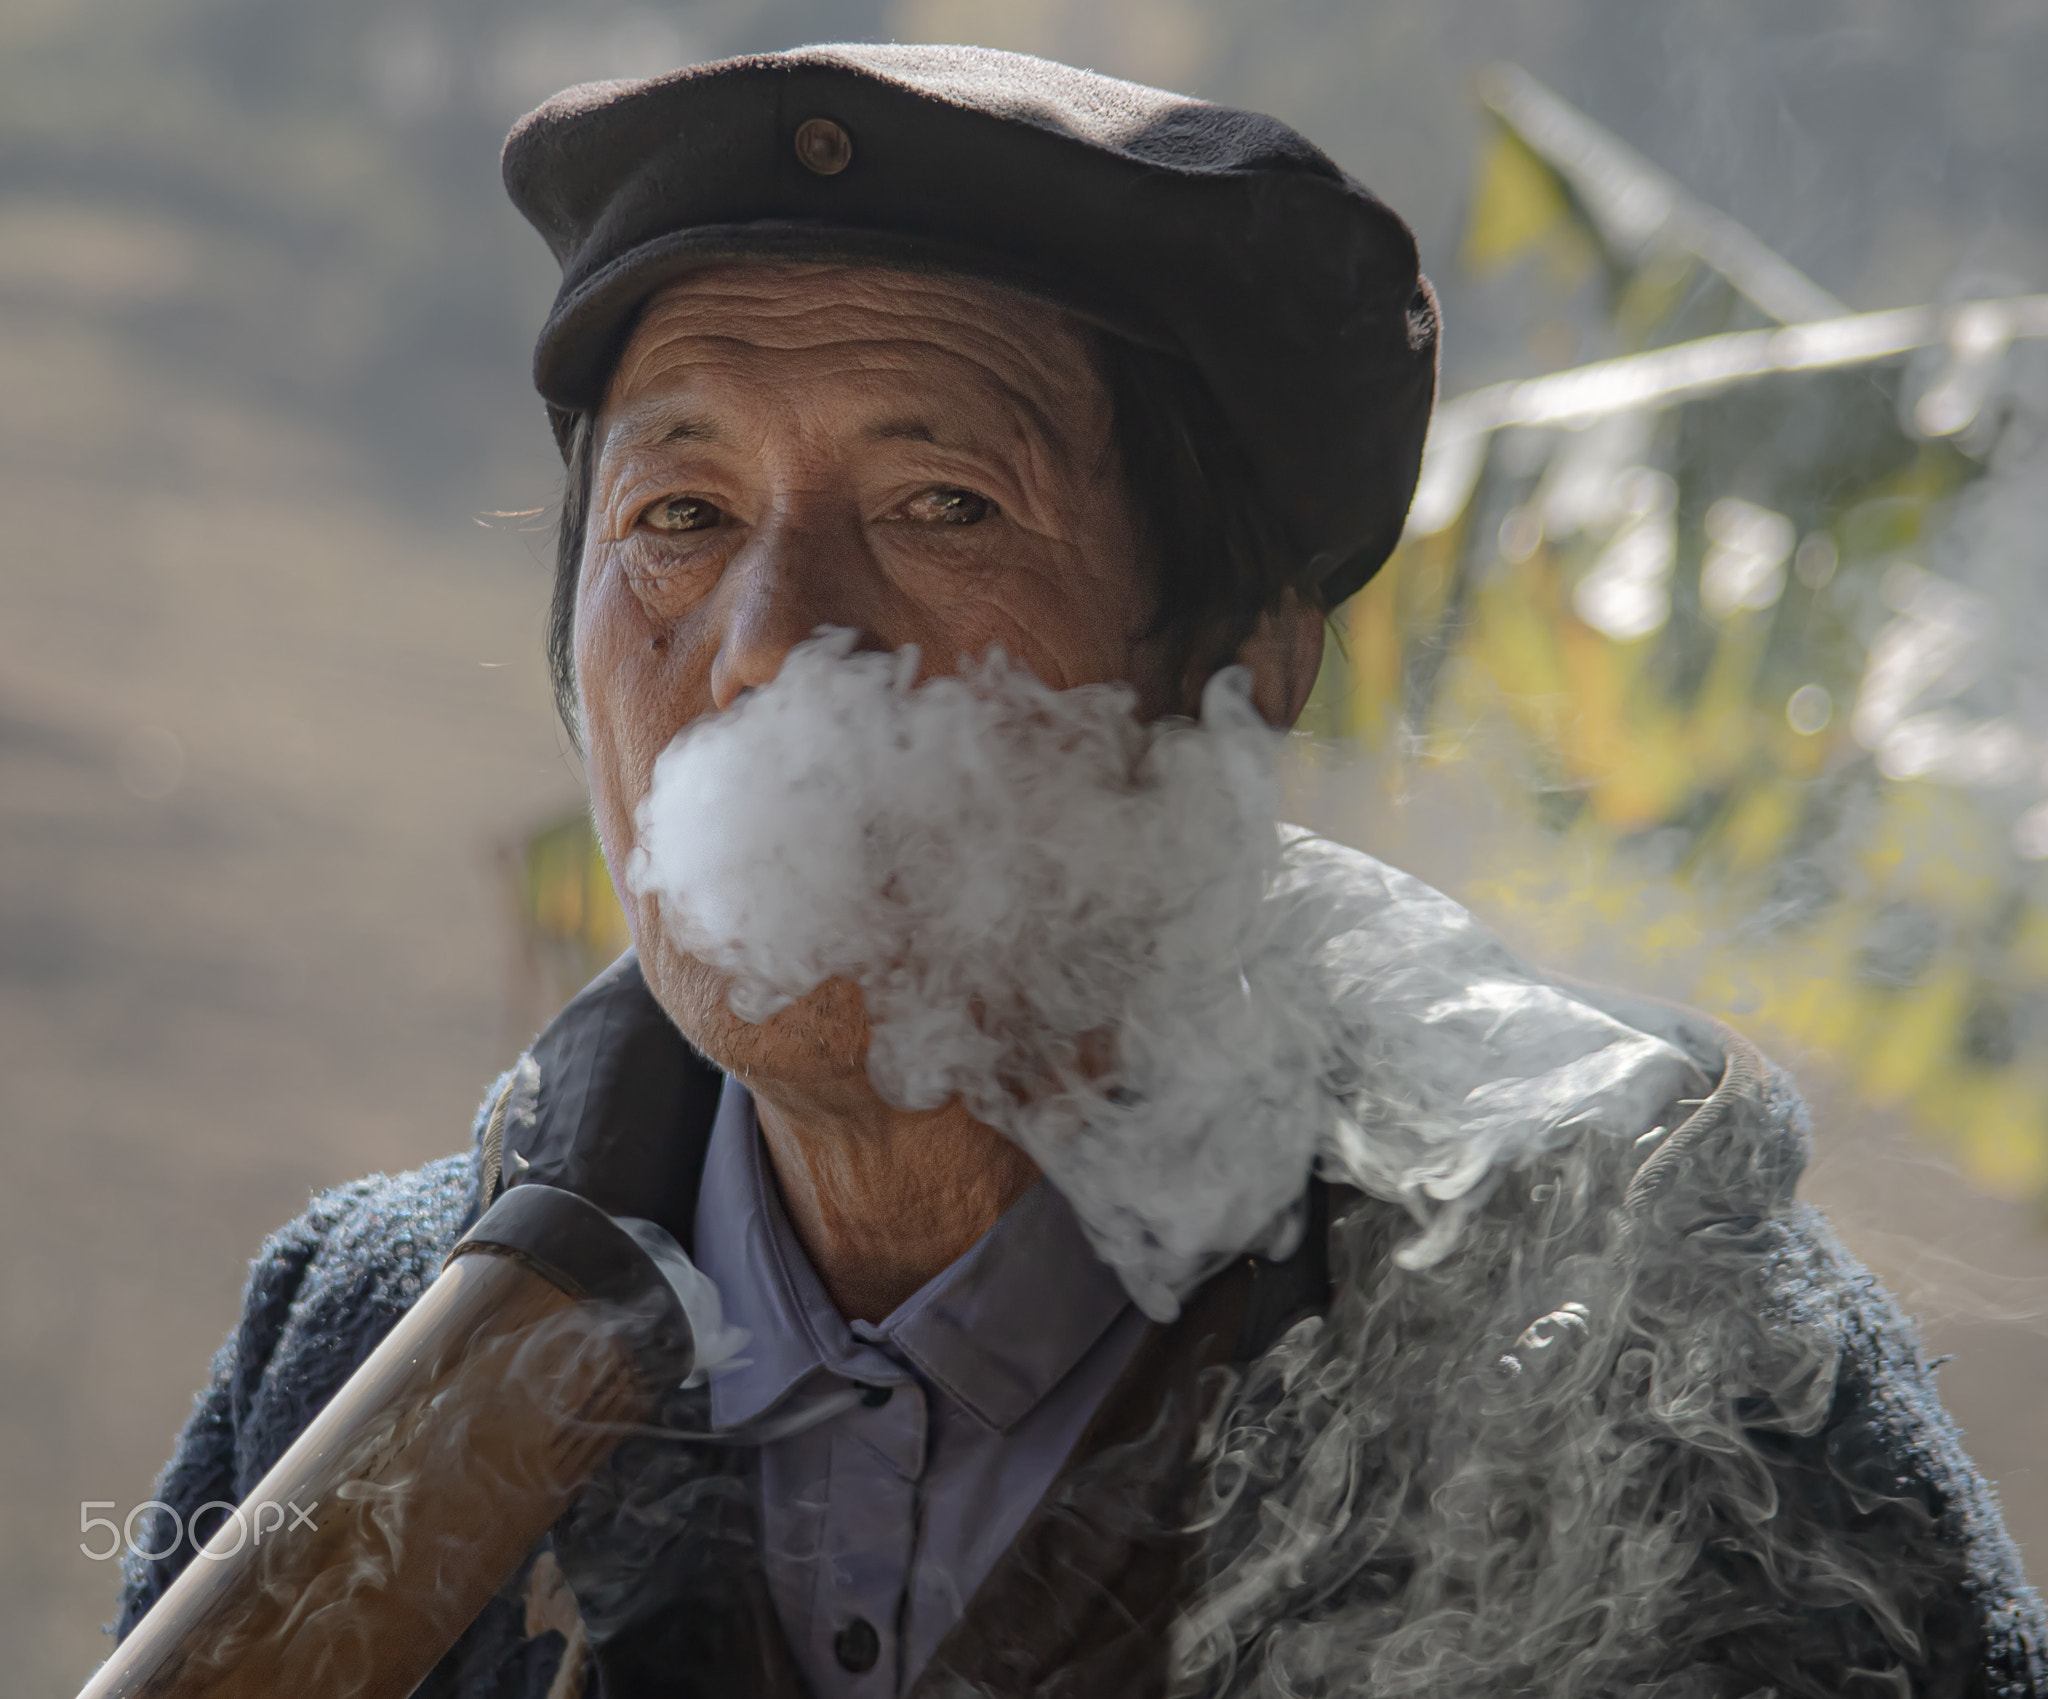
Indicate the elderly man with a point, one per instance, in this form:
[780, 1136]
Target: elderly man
[1153, 1250]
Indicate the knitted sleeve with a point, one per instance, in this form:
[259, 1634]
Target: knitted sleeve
[1883, 1490]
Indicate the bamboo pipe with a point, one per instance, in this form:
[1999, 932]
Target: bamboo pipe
[429, 1476]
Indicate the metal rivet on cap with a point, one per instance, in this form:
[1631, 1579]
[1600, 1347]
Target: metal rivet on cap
[823, 146]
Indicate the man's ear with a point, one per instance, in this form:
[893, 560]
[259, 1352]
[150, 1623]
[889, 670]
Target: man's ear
[1283, 654]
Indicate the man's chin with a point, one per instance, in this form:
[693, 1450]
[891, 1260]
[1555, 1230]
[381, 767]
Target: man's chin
[819, 1041]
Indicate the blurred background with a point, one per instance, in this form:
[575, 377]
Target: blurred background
[1710, 663]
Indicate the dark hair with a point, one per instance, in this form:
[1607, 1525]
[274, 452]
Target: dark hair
[579, 451]
[1204, 525]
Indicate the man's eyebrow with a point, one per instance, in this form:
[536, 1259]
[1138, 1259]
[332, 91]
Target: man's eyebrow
[663, 425]
[901, 430]
[692, 428]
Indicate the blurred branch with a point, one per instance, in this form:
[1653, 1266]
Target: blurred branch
[1689, 370]
[1633, 205]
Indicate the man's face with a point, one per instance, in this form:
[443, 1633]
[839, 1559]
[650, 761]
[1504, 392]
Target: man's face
[921, 459]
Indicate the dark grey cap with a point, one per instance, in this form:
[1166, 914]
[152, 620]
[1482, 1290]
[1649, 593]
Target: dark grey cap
[1224, 237]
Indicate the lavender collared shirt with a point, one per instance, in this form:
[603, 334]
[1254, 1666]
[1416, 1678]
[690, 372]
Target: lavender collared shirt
[879, 1523]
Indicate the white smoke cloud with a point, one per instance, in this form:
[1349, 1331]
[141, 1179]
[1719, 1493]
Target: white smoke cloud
[1010, 873]
[1098, 936]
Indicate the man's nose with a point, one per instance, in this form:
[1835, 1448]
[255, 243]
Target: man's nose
[797, 572]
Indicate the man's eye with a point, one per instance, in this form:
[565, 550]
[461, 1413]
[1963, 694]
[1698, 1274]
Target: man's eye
[681, 513]
[948, 506]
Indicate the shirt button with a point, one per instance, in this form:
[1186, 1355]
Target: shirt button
[874, 1397]
[857, 1646]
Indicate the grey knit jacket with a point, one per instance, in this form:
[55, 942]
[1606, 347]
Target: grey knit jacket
[1696, 1454]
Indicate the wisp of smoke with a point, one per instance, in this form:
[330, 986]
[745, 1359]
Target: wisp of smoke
[1095, 933]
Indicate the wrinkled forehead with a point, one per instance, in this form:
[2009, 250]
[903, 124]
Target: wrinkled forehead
[946, 335]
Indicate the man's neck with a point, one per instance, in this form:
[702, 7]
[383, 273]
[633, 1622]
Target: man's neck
[882, 1199]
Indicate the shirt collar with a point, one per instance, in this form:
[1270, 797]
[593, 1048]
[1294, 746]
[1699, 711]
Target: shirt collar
[996, 1331]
